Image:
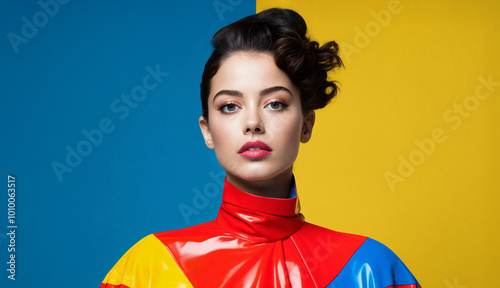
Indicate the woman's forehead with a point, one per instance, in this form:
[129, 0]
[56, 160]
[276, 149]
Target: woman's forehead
[250, 71]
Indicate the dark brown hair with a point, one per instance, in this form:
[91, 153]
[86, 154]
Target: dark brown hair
[283, 33]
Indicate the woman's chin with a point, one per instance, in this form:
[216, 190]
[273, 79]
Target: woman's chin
[260, 174]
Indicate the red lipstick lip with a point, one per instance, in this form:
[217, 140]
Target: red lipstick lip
[254, 144]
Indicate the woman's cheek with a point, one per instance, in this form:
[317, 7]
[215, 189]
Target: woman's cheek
[288, 127]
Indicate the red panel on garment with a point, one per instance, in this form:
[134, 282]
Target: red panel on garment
[211, 257]
[325, 252]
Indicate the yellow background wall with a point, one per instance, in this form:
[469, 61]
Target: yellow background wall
[408, 153]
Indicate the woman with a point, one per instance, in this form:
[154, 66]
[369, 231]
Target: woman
[259, 91]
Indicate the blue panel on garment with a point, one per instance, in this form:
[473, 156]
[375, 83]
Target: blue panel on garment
[373, 266]
[293, 192]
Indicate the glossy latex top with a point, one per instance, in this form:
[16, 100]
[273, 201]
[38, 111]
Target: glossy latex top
[258, 242]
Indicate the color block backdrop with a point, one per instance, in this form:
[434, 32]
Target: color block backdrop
[99, 127]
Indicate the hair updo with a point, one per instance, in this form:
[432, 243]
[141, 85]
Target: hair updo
[283, 33]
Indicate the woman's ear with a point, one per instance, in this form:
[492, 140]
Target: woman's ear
[206, 132]
[307, 126]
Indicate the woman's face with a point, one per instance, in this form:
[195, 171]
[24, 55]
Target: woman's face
[255, 118]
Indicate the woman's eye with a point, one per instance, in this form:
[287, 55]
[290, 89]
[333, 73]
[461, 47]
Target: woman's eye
[276, 105]
[228, 108]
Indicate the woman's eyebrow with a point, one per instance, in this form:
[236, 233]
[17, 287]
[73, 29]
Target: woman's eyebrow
[262, 93]
[228, 92]
[275, 89]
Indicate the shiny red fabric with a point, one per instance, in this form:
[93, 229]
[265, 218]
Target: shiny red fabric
[259, 242]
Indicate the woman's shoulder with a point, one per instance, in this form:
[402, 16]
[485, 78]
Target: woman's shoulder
[378, 265]
[365, 259]
[136, 267]
[334, 238]
[329, 239]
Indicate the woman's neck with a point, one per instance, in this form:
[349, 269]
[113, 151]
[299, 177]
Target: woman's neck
[275, 187]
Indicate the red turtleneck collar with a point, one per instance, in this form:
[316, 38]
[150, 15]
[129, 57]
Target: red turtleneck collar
[256, 218]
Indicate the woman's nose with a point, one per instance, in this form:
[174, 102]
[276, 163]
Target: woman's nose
[253, 122]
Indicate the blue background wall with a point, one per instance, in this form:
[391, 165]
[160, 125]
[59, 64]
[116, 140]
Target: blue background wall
[64, 69]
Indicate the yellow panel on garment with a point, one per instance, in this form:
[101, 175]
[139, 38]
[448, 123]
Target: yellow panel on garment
[147, 264]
